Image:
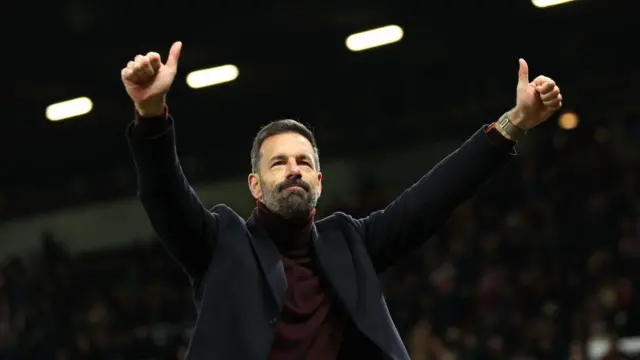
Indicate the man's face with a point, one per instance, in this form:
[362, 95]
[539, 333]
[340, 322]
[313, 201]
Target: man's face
[288, 182]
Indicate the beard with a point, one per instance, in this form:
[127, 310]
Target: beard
[292, 198]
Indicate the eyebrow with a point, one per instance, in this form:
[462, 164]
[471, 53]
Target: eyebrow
[298, 157]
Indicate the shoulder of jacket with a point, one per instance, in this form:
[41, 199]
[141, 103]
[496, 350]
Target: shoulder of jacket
[226, 213]
[337, 220]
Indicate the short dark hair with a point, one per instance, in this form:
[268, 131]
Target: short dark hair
[280, 127]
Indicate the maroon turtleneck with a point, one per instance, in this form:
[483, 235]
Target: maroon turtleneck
[311, 328]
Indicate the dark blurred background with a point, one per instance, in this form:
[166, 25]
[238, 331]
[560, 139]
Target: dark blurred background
[543, 264]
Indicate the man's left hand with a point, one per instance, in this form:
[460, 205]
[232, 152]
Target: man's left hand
[536, 101]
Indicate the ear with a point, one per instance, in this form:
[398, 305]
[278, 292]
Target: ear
[254, 186]
[319, 183]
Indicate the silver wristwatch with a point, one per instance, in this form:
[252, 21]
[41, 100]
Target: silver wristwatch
[513, 131]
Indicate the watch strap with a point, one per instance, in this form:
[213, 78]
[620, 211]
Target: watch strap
[514, 132]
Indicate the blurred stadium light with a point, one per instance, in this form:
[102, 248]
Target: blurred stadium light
[68, 109]
[568, 120]
[373, 38]
[212, 76]
[548, 3]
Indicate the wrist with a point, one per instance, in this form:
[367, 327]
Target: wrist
[506, 125]
[502, 132]
[151, 108]
[517, 118]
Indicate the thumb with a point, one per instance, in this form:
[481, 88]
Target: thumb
[174, 55]
[523, 73]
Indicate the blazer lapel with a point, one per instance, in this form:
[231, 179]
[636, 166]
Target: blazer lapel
[269, 259]
[334, 258]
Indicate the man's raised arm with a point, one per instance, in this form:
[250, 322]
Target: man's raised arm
[415, 215]
[187, 229]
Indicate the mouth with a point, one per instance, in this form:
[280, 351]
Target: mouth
[295, 187]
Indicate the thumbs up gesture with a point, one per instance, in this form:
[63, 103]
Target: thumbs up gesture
[536, 101]
[147, 80]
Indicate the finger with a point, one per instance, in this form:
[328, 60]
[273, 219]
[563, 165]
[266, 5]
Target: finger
[523, 73]
[126, 73]
[550, 95]
[174, 56]
[554, 103]
[143, 68]
[545, 88]
[131, 72]
[155, 60]
[541, 79]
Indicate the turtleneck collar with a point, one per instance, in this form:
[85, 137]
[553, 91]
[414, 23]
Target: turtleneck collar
[291, 236]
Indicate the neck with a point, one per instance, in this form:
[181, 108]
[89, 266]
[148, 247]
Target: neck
[289, 234]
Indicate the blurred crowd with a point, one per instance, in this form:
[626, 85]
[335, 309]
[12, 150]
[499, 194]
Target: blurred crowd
[546, 257]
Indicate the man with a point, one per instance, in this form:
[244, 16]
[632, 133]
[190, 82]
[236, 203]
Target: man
[282, 285]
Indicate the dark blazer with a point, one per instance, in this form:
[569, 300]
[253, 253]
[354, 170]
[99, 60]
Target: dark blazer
[236, 272]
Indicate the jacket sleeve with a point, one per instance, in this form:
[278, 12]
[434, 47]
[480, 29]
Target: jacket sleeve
[188, 230]
[412, 218]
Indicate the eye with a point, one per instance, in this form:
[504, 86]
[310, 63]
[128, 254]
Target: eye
[279, 162]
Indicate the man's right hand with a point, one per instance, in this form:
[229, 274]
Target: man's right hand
[147, 80]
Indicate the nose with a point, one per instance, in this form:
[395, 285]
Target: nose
[292, 168]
